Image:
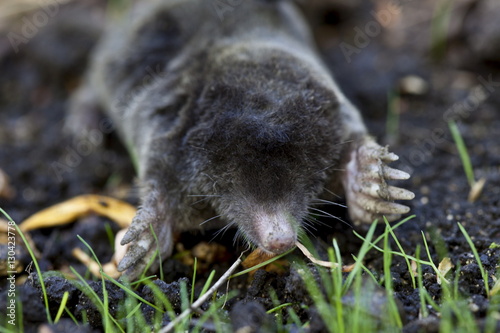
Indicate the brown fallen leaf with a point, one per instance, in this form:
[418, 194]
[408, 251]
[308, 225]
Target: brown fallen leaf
[258, 256]
[65, 212]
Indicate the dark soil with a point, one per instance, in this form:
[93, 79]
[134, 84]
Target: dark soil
[459, 66]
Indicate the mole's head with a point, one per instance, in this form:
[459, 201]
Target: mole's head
[269, 141]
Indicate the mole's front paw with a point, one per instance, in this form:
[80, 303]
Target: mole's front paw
[367, 193]
[143, 245]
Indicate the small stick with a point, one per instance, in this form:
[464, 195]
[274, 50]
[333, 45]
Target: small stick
[202, 298]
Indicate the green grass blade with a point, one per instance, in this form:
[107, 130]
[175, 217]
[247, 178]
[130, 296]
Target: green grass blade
[365, 247]
[462, 150]
[194, 280]
[207, 284]
[484, 273]
[405, 256]
[62, 306]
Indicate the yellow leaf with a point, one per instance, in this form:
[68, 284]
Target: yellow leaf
[65, 212]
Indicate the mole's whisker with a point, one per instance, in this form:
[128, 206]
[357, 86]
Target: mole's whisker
[205, 195]
[222, 230]
[328, 202]
[308, 224]
[328, 167]
[314, 220]
[329, 215]
[334, 194]
[210, 219]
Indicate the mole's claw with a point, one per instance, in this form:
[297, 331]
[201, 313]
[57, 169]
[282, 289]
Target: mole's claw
[394, 174]
[386, 156]
[368, 195]
[392, 217]
[398, 193]
[143, 219]
[392, 208]
[151, 222]
[132, 257]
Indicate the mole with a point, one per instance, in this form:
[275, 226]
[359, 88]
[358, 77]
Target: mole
[233, 121]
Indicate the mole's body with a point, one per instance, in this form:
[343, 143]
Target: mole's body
[234, 116]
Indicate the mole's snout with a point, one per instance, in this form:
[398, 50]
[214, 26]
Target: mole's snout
[279, 243]
[276, 233]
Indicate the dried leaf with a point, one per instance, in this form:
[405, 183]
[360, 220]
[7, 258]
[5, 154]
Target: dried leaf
[476, 189]
[108, 268]
[65, 212]
[414, 268]
[256, 257]
[444, 267]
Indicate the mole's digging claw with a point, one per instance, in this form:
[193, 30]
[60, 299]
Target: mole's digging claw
[394, 174]
[367, 192]
[143, 246]
[131, 258]
[398, 193]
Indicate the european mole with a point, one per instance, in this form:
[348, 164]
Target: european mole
[232, 116]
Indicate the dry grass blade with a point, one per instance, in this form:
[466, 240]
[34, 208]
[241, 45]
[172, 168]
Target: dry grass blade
[323, 263]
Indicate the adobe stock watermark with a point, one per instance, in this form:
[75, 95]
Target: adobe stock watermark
[91, 139]
[153, 76]
[223, 7]
[423, 152]
[85, 146]
[33, 22]
[11, 272]
[364, 35]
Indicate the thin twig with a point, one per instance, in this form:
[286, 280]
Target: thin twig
[203, 297]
